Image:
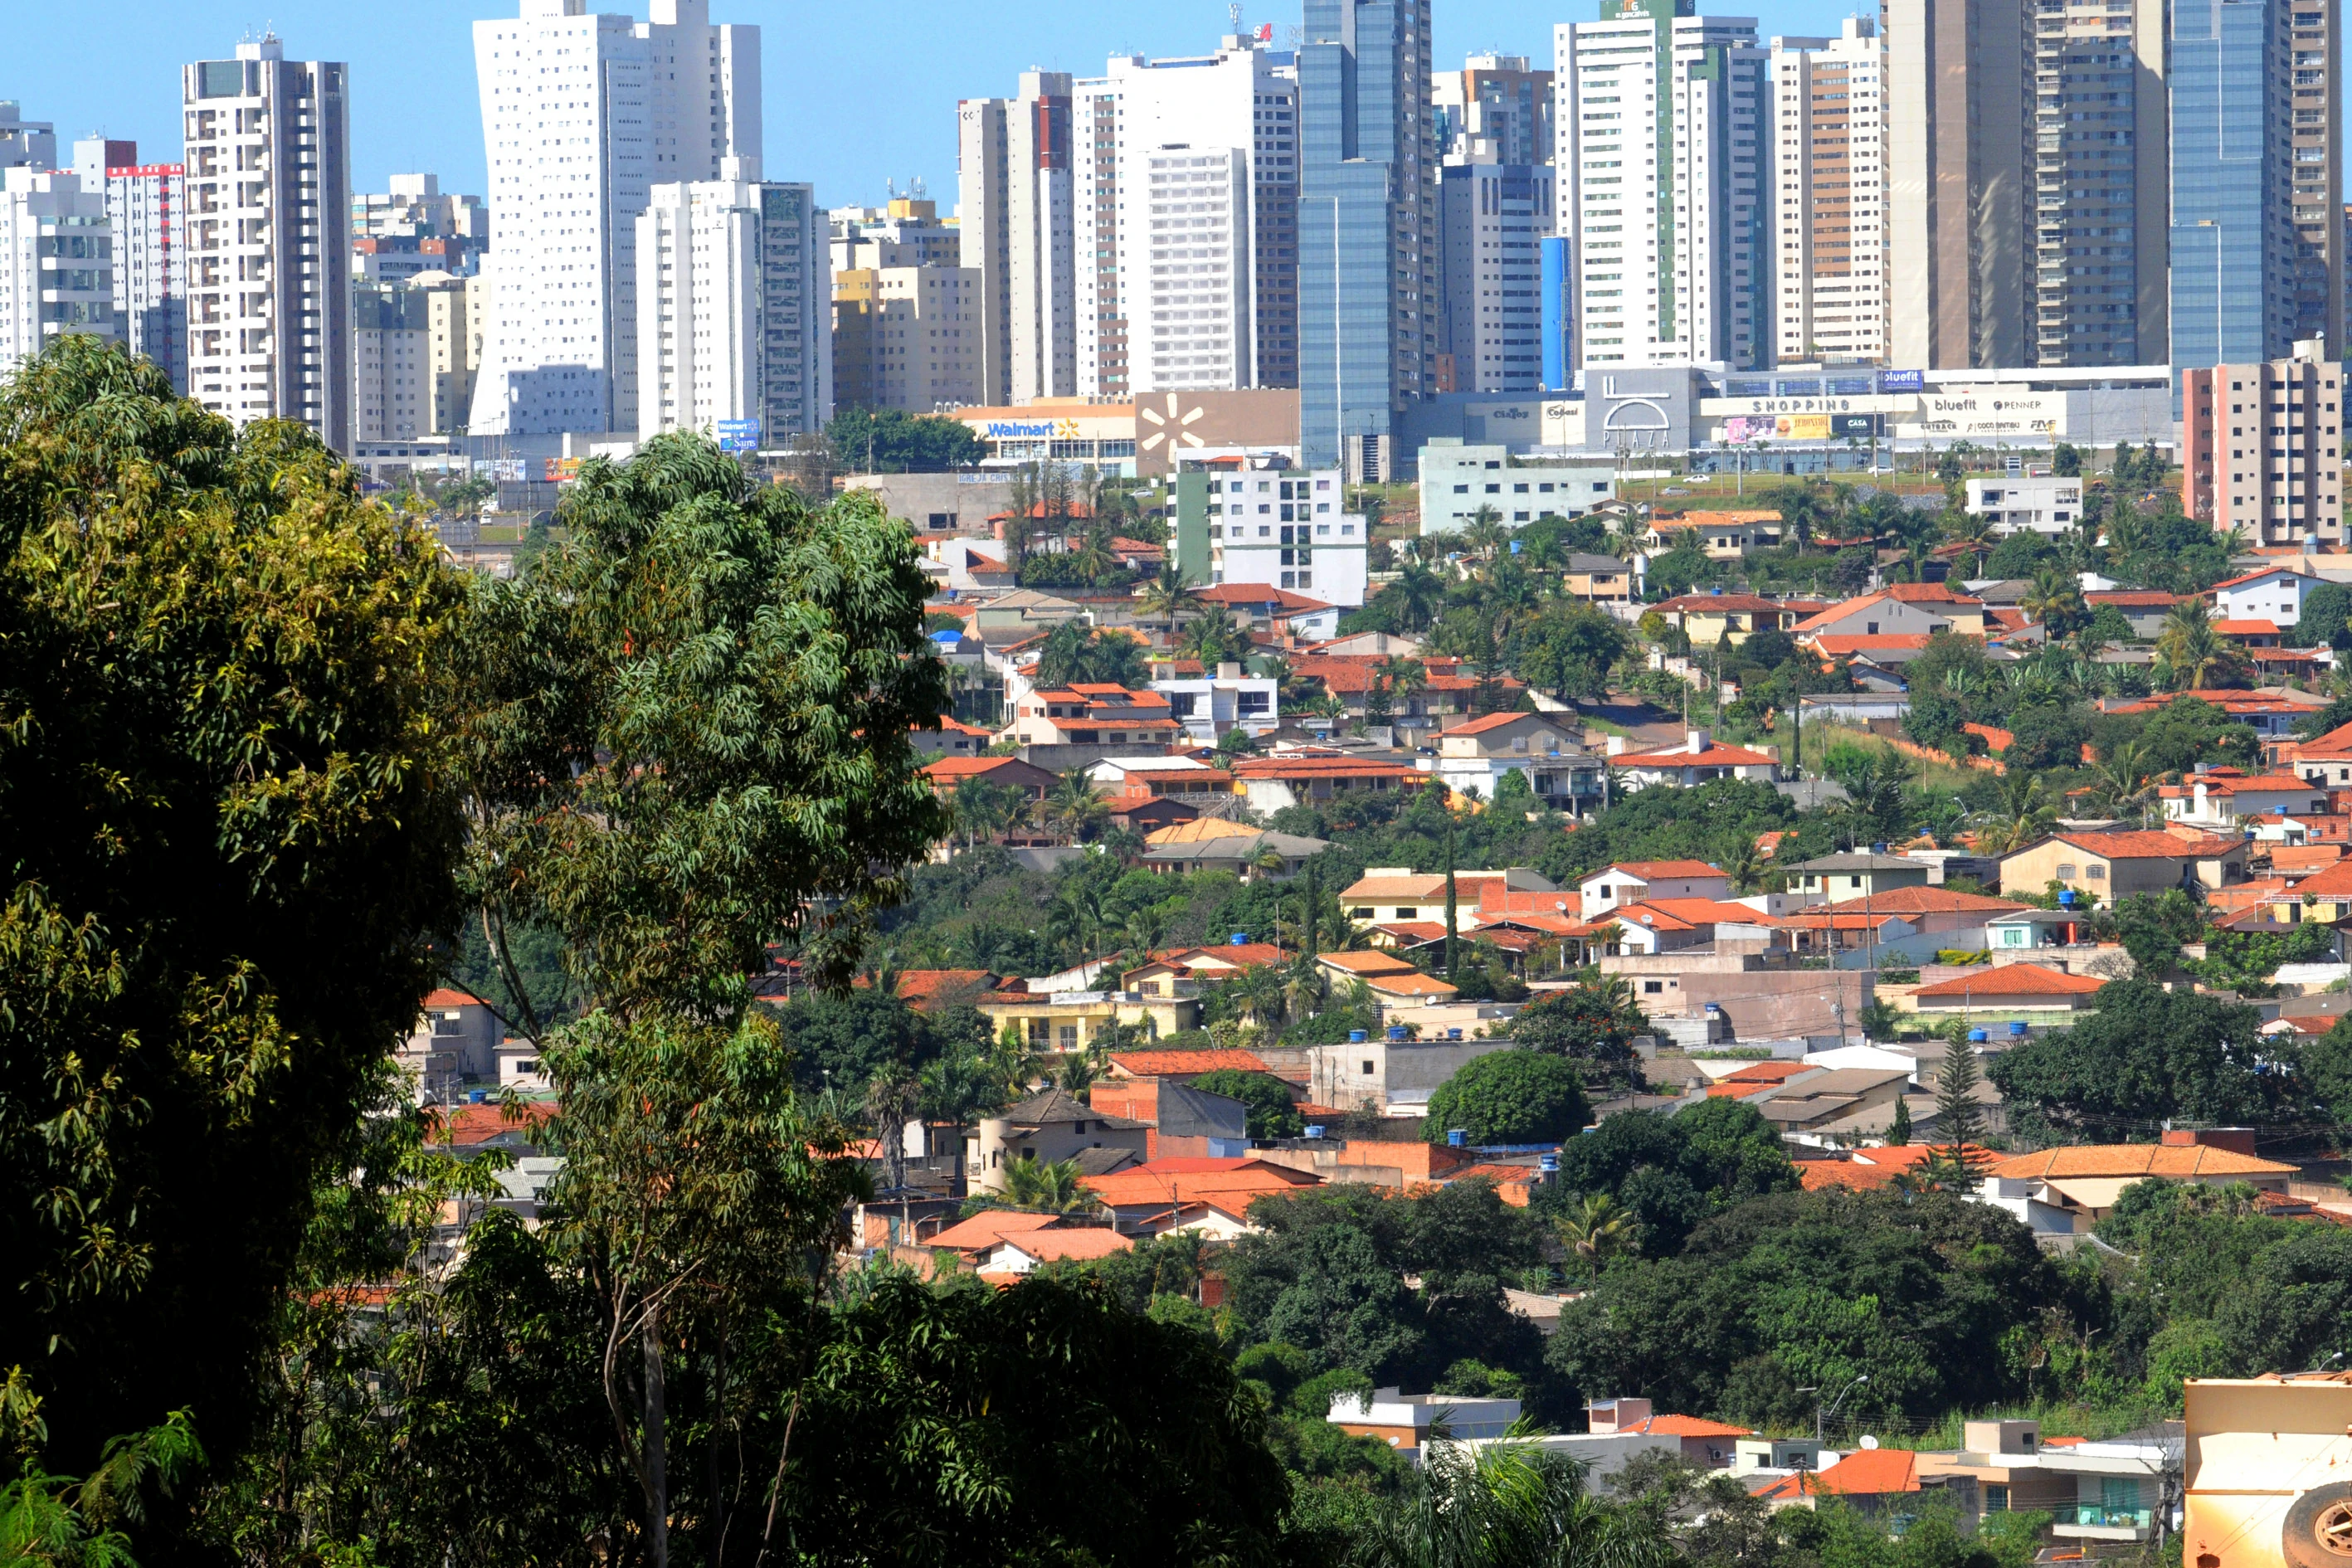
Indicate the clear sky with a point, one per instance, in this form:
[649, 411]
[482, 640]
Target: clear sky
[856, 93]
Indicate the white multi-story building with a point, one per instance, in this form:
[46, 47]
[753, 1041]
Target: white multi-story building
[416, 208]
[1184, 254]
[1287, 530]
[1830, 134]
[906, 232]
[1664, 126]
[25, 144]
[906, 338]
[268, 195]
[1458, 480]
[582, 115]
[733, 309]
[147, 205]
[1491, 219]
[56, 263]
[392, 364]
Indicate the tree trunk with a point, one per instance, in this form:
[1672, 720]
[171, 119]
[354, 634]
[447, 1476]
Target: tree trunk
[657, 1447]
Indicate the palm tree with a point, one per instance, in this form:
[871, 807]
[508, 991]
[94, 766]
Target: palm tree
[984, 810]
[1486, 537]
[2025, 815]
[2123, 777]
[1599, 1230]
[1420, 596]
[1263, 993]
[1094, 560]
[2191, 648]
[1975, 532]
[1505, 1505]
[1074, 808]
[1030, 1184]
[1398, 675]
[1168, 596]
[1146, 928]
[1309, 987]
[2056, 601]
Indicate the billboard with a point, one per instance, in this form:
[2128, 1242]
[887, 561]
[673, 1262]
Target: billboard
[1844, 425]
[561, 471]
[1741, 428]
[1804, 426]
[739, 435]
[506, 470]
[1902, 381]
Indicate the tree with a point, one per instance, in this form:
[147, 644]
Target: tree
[1170, 597]
[1591, 1022]
[1076, 653]
[1505, 1506]
[2147, 1055]
[1031, 1183]
[891, 441]
[2154, 928]
[2068, 463]
[2194, 654]
[1899, 1132]
[1673, 1171]
[1569, 649]
[1960, 1120]
[2327, 613]
[1075, 808]
[1597, 1230]
[225, 847]
[1509, 1097]
[1272, 1112]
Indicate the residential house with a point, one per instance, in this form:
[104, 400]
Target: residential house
[963, 565]
[1213, 844]
[1929, 911]
[2270, 713]
[1477, 756]
[1131, 781]
[1392, 893]
[1184, 1064]
[1073, 1020]
[1447, 690]
[2003, 988]
[1714, 618]
[1170, 967]
[1871, 1481]
[1095, 715]
[1909, 608]
[1666, 925]
[1849, 929]
[1708, 1443]
[2269, 594]
[1699, 760]
[2144, 609]
[1598, 580]
[2046, 504]
[1379, 1072]
[950, 774]
[1180, 1119]
[1049, 1128]
[1856, 876]
[2249, 635]
[1406, 1422]
[1805, 1103]
[455, 1041]
[1209, 707]
[2217, 797]
[2114, 864]
[1166, 1194]
[1272, 612]
[1312, 778]
[953, 738]
[1023, 1251]
[2324, 895]
[1024, 612]
[1633, 881]
[939, 990]
[2084, 1182]
[1721, 534]
[973, 1239]
[2324, 759]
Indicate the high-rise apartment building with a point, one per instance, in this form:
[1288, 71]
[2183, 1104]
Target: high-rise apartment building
[2102, 193]
[1184, 253]
[734, 309]
[1665, 131]
[1960, 168]
[906, 338]
[1494, 218]
[56, 263]
[1018, 229]
[2232, 242]
[2318, 108]
[582, 115]
[268, 193]
[415, 351]
[1370, 301]
[1495, 100]
[2261, 445]
[416, 227]
[146, 205]
[1830, 132]
[1242, 98]
[907, 232]
[25, 144]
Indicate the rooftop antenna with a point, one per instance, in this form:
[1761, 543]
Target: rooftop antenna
[1233, 14]
[917, 188]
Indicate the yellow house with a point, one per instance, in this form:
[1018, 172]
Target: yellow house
[1711, 618]
[1720, 533]
[1073, 1020]
[1599, 579]
[2114, 866]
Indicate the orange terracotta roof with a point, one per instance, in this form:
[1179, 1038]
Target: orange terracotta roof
[1653, 870]
[1925, 902]
[1185, 1064]
[1720, 603]
[2136, 1159]
[2014, 980]
[1715, 756]
[1076, 1243]
[2248, 628]
[1837, 645]
[1688, 1426]
[1869, 1472]
[1413, 984]
[1769, 1072]
[986, 1229]
[2137, 845]
[444, 997]
[1240, 955]
[465, 1126]
[1367, 964]
[2256, 577]
[1491, 722]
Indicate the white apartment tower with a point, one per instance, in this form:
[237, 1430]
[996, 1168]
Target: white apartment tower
[56, 263]
[1829, 111]
[734, 309]
[1665, 132]
[1492, 218]
[268, 259]
[146, 203]
[582, 116]
[1019, 229]
[1184, 258]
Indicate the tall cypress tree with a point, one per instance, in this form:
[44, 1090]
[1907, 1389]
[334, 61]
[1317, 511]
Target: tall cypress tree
[1451, 894]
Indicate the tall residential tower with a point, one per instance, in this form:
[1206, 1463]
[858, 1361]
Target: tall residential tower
[1831, 268]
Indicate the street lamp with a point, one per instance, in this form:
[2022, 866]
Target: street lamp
[1821, 1422]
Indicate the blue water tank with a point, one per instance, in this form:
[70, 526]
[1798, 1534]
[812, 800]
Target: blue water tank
[2016, 1029]
[1453, 1034]
[1456, 1137]
[1239, 939]
[2066, 898]
[1396, 1032]
[478, 1097]
[1547, 1164]
[1314, 1129]
[1357, 1036]
[1977, 1037]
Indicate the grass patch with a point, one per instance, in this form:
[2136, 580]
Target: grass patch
[1945, 777]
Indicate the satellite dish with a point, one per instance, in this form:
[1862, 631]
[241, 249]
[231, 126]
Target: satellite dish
[1870, 1442]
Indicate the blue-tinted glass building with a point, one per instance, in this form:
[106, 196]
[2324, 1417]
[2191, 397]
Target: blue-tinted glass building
[1369, 302]
[2233, 239]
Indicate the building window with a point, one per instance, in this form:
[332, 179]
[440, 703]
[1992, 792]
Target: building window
[2098, 873]
[1367, 1070]
[2065, 869]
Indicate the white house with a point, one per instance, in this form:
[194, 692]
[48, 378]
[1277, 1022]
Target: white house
[1479, 754]
[2274, 593]
[1208, 706]
[2041, 503]
[1698, 760]
[1612, 888]
[2217, 798]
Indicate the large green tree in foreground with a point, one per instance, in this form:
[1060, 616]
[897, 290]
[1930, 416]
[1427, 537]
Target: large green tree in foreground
[223, 848]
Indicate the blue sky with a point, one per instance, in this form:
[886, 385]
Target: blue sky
[855, 93]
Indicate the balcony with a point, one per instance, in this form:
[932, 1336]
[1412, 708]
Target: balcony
[2094, 1522]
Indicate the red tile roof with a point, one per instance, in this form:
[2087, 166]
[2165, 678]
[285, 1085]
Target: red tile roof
[1185, 1064]
[1077, 1243]
[2014, 980]
[1492, 722]
[1715, 756]
[1283, 599]
[1720, 603]
[1846, 643]
[444, 997]
[986, 1228]
[1655, 870]
[2258, 576]
[465, 1126]
[2110, 1160]
[2136, 845]
[1687, 1426]
[1923, 902]
[2246, 628]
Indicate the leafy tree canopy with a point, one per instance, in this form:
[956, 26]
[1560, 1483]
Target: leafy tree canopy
[902, 443]
[1510, 1097]
[2147, 1056]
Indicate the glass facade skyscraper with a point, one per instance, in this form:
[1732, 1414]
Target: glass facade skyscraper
[2232, 230]
[1368, 290]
